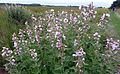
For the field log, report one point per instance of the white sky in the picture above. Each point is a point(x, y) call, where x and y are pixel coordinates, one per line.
point(104, 3)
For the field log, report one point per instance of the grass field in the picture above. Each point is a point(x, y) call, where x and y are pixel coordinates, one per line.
point(115, 20)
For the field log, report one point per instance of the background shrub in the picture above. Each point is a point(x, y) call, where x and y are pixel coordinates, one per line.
point(17, 14)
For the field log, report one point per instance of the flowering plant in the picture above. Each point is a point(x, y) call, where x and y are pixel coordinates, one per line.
point(63, 43)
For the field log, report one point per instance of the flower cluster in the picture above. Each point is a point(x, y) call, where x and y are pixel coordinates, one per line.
point(16, 42)
point(104, 19)
point(96, 37)
point(56, 24)
point(80, 58)
point(59, 40)
point(79, 53)
point(76, 42)
point(33, 53)
point(34, 31)
point(112, 44)
point(88, 12)
point(21, 44)
point(7, 54)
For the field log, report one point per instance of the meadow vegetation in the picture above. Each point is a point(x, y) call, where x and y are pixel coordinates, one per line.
point(60, 41)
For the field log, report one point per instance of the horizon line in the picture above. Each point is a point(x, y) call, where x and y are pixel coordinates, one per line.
point(47, 4)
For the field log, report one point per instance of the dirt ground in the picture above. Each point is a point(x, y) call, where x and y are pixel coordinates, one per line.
point(2, 70)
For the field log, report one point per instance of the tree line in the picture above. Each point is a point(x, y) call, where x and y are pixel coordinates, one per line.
point(116, 4)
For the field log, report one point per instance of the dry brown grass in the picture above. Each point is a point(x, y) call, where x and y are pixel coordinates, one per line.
point(1, 11)
point(41, 9)
point(118, 10)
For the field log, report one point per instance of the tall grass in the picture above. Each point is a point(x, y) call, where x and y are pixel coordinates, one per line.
point(6, 30)
point(115, 21)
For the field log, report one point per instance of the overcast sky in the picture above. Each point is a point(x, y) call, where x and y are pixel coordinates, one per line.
point(97, 3)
